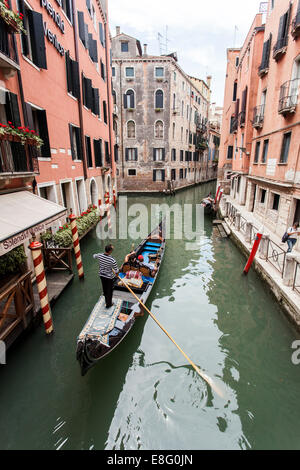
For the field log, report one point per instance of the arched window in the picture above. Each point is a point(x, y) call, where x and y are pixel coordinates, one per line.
point(131, 130)
point(159, 130)
point(159, 99)
point(129, 100)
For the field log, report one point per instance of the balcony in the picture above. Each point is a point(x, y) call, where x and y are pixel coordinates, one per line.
point(258, 116)
point(8, 55)
point(202, 128)
point(242, 118)
point(201, 144)
point(280, 48)
point(234, 125)
point(296, 26)
point(17, 159)
point(289, 97)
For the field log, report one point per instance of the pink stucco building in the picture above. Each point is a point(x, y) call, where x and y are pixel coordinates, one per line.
point(260, 138)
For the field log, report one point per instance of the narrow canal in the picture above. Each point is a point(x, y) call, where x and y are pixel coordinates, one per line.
point(145, 395)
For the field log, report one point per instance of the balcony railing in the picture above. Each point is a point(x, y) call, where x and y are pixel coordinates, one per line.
point(17, 158)
point(280, 48)
point(258, 116)
point(296, 26)
point(202, 128)
point(289, 97)
point(8, 55)
point(242, 118)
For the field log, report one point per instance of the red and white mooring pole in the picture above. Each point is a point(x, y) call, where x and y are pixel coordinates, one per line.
point(107, 202)
point(216, 198)
point(115, 199)
point(36, 252)
point(100, 208)
point(220, 195)
point(253, 253)
point(76, 245)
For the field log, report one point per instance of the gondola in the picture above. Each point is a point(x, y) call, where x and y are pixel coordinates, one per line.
point(209, 206)
point(107, 328)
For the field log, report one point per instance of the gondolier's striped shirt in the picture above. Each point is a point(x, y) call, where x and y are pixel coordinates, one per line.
point(106, 265)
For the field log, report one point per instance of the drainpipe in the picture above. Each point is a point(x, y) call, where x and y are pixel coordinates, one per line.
point(122, 143)
point(79, 99)
point(109, 99)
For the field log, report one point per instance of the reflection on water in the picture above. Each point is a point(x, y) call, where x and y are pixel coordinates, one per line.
point(145, 395)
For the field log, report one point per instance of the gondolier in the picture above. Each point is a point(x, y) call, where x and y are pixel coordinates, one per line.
point(107, 267)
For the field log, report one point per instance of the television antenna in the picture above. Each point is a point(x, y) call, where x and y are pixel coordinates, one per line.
point(163, 42)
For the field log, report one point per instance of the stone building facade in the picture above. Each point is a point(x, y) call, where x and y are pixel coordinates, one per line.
point(160, 121)
point(262, 171)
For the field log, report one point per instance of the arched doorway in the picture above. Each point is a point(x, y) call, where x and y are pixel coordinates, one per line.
point(94, 192)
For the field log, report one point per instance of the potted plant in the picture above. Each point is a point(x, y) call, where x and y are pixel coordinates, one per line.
point(14, 21)
point(20, 134)
point(13, 262)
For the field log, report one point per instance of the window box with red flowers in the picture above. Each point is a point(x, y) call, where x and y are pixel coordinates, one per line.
point(14, 21)
point(20, 134)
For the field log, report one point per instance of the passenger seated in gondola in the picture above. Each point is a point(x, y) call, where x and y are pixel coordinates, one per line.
point(152, 269)
point(131, 259)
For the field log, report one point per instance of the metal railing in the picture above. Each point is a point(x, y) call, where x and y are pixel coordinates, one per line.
point(296, 283)
point(243, 226)
point(288, 99)
point(258, 116)
point(242, 118)
point(276, 256)
point(280, 44)
point(234, 125)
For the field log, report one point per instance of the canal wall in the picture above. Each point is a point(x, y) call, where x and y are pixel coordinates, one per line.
point(176, 190)
point(285, 295)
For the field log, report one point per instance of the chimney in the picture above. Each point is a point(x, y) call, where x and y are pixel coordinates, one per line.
point(118, 30)
point(145, 49)
point(208, 79)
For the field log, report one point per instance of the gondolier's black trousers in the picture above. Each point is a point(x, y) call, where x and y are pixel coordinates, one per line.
point(108, 285)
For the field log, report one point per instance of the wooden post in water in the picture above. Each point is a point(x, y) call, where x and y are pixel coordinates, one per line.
point(76, 245)
point(36, 251)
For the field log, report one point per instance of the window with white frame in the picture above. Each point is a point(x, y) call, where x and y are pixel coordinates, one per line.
point(159, 72)
point(129, 72)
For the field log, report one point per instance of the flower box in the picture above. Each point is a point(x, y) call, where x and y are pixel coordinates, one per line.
point(14, 21)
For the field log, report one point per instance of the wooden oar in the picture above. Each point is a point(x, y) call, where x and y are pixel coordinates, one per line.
point(204, 376)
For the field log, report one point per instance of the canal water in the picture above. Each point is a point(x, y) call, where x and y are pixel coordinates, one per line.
point(145, 395)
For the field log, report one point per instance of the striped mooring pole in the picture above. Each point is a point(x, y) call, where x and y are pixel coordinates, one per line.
point(76, 245)
point(107, 202)
point(36, 251)
point(100, 208)
point(115, 199)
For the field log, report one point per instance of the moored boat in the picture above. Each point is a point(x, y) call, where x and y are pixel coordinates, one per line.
point(107, 328)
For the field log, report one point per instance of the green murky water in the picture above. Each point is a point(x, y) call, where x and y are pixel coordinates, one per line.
point(145, 395)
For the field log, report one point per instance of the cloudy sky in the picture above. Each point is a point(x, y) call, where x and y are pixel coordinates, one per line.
point(200, 31)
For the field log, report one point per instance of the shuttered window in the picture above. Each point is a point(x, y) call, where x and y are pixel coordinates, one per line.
point(83, 30)
point(67, 7)
point(88, 151)
point(76, 143)
point(101, 34)
point(158, 175)
point(33, 44)
point(131, 154)
point(107, 156)
point(159, 154)
point(92, 47)
point(98, 153)
point(285, 147)
point(173, 155)
point(105, 112)
point(102, 70)
point(282, 38)
point(230, 152)
point(181, 155)
point(266, 55)
point(257, 151)
point(72, 70)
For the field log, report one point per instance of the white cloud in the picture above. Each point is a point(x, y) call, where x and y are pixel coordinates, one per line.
point(198, 30)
